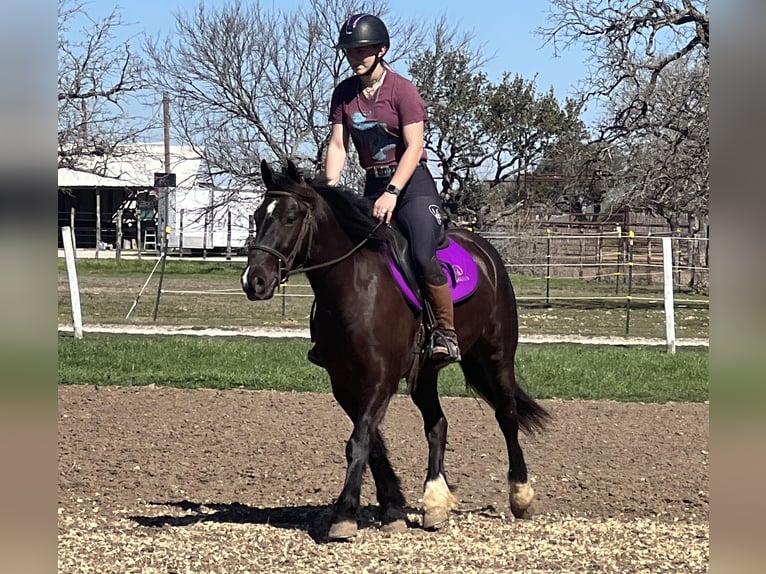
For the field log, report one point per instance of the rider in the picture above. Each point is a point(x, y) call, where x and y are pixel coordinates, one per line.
point(385, 116)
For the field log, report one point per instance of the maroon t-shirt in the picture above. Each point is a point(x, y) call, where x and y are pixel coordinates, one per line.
point(375, 124)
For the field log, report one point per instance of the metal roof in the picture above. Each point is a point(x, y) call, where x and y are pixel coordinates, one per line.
point(135, 166)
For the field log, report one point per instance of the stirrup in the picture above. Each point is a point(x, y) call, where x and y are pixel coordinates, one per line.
point(444, 346)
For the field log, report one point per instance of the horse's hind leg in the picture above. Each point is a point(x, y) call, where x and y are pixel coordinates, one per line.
point(387, 486)
point(437, 498)
point(497, 384)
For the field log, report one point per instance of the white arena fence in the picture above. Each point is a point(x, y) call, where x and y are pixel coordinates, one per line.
point(632, 267)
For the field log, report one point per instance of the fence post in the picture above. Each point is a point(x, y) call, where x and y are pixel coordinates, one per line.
point(74, 288)
point(548, 269)
point(650, 277)
point(678, 256)
point(118, 238)
point(71, 224)
point(619, 261)
point(667, 268)
point(631, 235)
point(228, 236)
point(181, 233)
point(98, 222)
point(139, 237)
point(599, 255)
point(692, 249)
point(204, 238)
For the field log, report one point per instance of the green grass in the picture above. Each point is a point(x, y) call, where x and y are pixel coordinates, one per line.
point(565, 371)
point(126, 267)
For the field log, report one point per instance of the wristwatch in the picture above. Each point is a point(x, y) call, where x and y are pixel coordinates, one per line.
point(392, 189)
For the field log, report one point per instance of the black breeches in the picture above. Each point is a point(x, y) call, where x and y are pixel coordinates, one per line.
point(418, 215)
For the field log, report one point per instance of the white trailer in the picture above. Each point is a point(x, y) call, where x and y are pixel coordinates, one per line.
point(202, 217)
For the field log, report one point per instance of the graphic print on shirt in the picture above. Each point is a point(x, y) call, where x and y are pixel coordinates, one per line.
point(373, 135)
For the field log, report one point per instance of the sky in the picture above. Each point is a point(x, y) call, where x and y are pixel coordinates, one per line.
point(504, 28)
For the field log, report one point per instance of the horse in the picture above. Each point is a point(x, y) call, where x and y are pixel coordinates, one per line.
point(370, 338)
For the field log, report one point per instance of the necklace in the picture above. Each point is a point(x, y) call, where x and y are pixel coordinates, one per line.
point(367, 92)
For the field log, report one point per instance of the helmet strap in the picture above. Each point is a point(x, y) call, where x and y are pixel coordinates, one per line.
point(374, 65)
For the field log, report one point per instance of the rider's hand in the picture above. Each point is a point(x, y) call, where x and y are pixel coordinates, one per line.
point(384, 207)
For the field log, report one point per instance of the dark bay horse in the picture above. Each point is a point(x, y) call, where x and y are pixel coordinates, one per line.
point(369, 338)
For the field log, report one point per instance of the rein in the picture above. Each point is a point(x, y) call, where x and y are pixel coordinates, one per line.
point(306, 229)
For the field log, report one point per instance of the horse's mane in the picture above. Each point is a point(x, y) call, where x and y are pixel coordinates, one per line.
point(352, 211)
point(302, 192)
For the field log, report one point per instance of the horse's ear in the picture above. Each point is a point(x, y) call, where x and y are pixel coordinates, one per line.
point(292, 172)
point(267, 175)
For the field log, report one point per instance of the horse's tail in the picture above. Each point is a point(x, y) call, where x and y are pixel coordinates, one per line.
point(532, 417)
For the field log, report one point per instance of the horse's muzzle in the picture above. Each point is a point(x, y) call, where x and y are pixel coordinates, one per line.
point(258, 286)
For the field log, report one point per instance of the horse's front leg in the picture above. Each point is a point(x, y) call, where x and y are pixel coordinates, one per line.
point(344, 525)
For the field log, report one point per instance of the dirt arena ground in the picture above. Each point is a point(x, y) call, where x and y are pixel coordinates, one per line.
point(160, 480)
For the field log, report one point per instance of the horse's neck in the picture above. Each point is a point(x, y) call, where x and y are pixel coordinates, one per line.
point(330, 241)
point(343, 260)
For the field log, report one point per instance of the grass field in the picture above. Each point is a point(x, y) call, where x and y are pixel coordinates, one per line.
point(563, 371)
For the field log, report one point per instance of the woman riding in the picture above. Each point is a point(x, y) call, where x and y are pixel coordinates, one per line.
point(384, 115)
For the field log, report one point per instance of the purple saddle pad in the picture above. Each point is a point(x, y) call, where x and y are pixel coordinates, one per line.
point(459, 267)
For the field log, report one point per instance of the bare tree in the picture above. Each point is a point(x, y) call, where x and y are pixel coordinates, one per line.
point(485, 135)
point(650, 72)
point(248, 83)
point(449, 77)
point(100, 81)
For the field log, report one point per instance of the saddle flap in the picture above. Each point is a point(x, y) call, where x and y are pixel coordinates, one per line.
point(458, 264)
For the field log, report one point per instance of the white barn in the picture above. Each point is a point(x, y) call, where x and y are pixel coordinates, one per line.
point(129, 183)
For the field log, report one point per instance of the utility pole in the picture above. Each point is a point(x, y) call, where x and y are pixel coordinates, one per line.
point(163, 203)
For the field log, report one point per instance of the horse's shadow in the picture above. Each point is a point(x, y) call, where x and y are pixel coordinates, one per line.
point(315, 520)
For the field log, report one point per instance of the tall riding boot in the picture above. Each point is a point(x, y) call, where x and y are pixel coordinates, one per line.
point(313, 355)
point(445, 347)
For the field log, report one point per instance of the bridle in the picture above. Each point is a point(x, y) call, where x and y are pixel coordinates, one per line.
point(286, 261)
point(307, 229)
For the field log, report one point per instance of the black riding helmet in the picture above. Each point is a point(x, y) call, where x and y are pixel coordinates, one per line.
point(362, 30)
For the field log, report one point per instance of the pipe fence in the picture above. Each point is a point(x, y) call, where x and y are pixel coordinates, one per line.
point(589, 271)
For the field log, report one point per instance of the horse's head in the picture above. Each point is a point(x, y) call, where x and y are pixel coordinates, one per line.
point(284, 225)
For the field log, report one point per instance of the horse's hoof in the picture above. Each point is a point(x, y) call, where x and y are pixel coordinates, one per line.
point(521, 497)
point(393, 522)
point(435, 518)
point(521, 513)
point(394, 527)
point(343, 530)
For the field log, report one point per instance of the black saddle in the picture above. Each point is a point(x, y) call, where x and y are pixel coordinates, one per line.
point(400, 252)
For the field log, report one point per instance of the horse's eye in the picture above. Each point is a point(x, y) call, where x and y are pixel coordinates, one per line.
point(290, 219)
